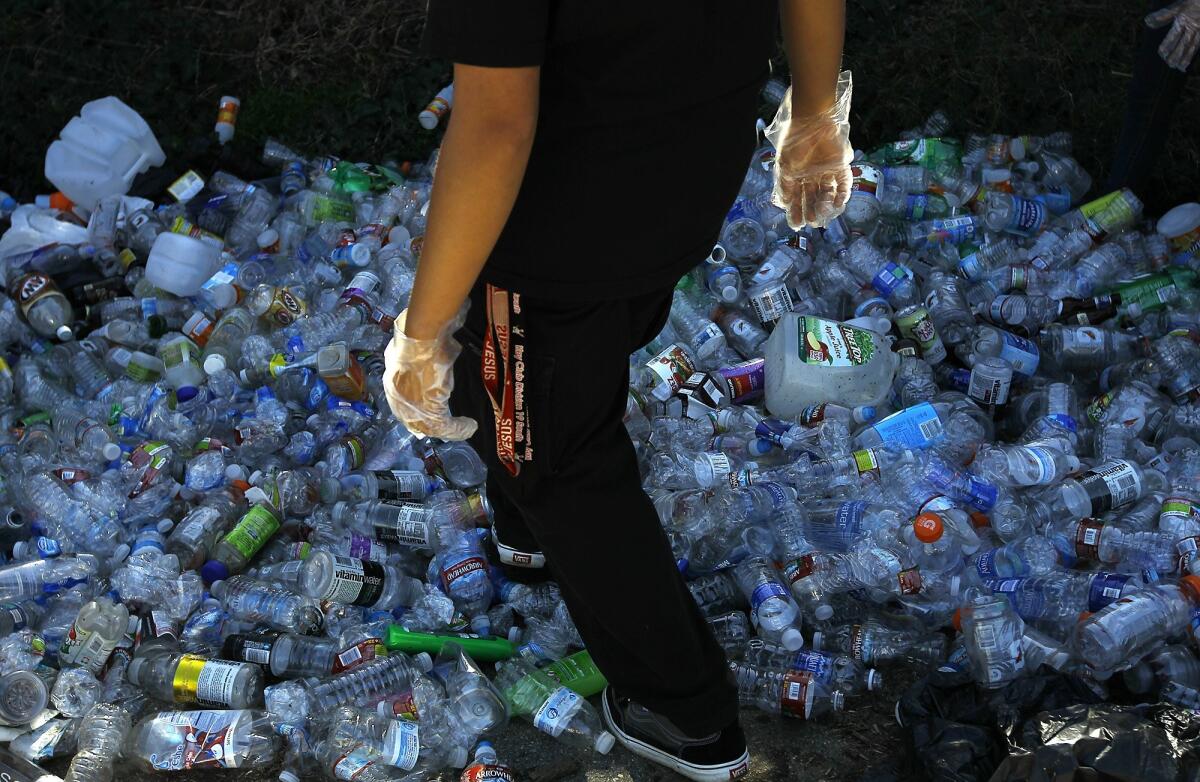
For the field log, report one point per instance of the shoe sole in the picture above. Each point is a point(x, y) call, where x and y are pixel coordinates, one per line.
point(723, 773)
point(511, 556)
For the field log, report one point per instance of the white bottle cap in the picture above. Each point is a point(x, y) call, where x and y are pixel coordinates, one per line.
point(64, 333)
point(823, 612)
point(214, 363)
point(120, 553)
point(792, 639)
point(423, 661)
point(288, 776)
point(817, 638)
point(874, 680)
point(164, 526)
point(111, 451)
point(729, 293)
point(267, 238)
point(459, 757)
point(605, 742)
point(235, 472)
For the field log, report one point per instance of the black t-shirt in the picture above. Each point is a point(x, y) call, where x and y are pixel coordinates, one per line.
point(645, 131)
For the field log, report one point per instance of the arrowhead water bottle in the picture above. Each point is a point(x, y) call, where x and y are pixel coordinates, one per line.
point(1091, 540)
point(297, 701)
point(99, 742)
point(837, 672)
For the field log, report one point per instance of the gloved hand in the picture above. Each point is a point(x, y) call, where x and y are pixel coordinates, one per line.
point(1179, 47)
point(418, 377)
point(812, 160)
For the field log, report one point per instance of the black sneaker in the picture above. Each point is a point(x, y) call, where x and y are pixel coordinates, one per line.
point(715, 758)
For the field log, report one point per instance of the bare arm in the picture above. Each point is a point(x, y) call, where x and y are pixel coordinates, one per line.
point(813, 32)
point(479, 173)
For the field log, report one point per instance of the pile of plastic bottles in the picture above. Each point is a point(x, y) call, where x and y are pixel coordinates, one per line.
point(955, 428)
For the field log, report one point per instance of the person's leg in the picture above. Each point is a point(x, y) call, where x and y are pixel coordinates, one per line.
point(578, 489)
point(514, 541)
point(1154, 91)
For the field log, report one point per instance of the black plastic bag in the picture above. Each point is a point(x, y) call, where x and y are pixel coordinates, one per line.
point(961, 732)
point(1106, 743)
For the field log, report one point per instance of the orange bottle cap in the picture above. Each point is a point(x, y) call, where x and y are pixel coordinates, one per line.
point(928, 527)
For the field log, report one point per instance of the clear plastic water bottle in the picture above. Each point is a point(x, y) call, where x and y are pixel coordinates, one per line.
point(250, 600)
point(101, 736)
point(555, 710)
point(297, 701)
point(773, 611)
point(992, 631)
point(794, 694)
point(1120, 634)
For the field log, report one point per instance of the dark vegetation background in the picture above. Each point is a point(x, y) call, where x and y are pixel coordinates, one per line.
point(343, 76)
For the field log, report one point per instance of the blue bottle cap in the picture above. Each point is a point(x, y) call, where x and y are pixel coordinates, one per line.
point(214, 570)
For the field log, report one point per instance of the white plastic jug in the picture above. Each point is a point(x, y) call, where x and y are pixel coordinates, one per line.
point(180, 264)
point(100, 151)
point(813, 360)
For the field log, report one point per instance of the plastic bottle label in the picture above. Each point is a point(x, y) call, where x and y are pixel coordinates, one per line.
point(986, 564)
point(953, 230)
point(1111, 486)
point(86, 648)
point(253, 531)
point(202, 740)
point(832, 344)
point(988, 390)
point(744, 380)
point(914, 427)
point(407, 527)
point(765, 591)
point(350, 765)
point(407, 740)
point(795, 695)
point(400, 485)
point(771, 303)
point(1083, 341)
point(461, 569)
point(1020, 352)
point(718, 464)
point(816, 664)
point(363, 547)
point(253, 648)
point(207, 682)
point(865, 461)
point(556, 711)
point(355, 582)
point(890, 277)
point(1104, 589)
point(671, 367)
point(1087, 539)
point(1028, 216)
point(1042, 460)
point(909, 581)
point(362, 652)
point(848, 518)
point(30, 289)
point(487, 772)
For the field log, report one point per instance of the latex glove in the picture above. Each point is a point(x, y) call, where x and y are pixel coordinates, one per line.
point(1179, 47)
point(418, 377)
point(812, 160)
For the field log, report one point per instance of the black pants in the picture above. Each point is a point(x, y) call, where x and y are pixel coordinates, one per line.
point(577, 496)
point(1154, 93)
